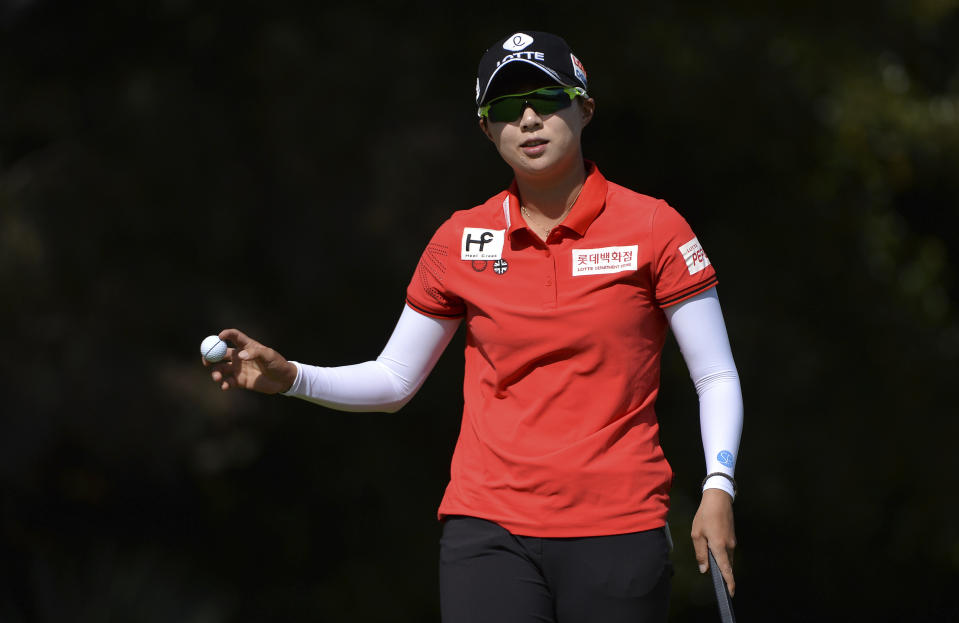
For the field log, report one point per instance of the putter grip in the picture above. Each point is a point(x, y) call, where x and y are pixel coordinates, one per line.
point(722, 595)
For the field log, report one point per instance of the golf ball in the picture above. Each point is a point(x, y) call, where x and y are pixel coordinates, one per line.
point(213, 348)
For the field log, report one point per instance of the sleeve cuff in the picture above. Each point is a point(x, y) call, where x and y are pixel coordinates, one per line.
point(295, 387)
point(720, 482)
point(689, 292)
point(442, 315)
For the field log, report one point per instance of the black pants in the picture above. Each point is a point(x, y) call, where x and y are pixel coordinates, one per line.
point(488, 575)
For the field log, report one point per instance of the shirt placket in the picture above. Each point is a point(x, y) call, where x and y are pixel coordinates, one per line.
point(552, 247)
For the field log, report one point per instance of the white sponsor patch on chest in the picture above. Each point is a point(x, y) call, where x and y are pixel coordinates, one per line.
point(482, 244)
point(605, 260)
point(694, 255)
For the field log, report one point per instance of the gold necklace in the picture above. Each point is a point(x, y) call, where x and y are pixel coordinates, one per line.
point(546, 230)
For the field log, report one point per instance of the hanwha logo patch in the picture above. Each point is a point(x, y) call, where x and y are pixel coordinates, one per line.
point(578, 69)
point(500, 266)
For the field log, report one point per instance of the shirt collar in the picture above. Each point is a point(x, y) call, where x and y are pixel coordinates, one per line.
point(591, 200)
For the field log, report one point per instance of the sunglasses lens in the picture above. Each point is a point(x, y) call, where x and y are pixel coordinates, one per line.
point(507, 109)
point(547, 106)
point(544, 102)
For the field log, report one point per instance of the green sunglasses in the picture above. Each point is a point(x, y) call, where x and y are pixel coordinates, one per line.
point(544, 101)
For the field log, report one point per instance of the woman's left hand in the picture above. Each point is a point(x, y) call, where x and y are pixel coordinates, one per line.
point(713, 529)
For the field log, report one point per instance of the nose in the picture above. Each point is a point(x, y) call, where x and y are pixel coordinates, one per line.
point(530, 119)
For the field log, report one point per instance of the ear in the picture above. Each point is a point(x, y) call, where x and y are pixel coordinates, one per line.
point(589, 109)
point(484, 127)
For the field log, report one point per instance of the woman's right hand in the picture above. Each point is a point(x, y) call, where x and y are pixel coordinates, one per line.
point(251, 365)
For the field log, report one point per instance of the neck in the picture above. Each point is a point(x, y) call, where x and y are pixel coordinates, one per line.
point(551, 196)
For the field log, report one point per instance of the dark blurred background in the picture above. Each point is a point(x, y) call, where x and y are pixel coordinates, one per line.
point(170, 168)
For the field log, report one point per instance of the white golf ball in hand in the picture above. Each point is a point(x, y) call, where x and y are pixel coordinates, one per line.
point(213, 349)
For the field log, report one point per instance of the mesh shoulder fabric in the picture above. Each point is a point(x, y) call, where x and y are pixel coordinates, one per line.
point(428, 291)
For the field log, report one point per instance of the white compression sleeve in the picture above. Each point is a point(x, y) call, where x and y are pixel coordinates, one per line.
point(700, 331)
point(390, 381)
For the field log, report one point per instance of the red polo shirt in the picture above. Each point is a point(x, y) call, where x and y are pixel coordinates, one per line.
point(559, 436)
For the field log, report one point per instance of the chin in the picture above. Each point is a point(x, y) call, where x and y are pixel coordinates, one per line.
point(547, 163)
point(541, 165)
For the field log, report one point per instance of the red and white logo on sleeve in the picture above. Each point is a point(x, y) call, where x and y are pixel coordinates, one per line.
point(694, 255)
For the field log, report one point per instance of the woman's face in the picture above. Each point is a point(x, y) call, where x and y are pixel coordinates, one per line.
point(542, 145)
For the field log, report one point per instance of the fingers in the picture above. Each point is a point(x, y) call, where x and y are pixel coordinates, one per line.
point(226, 378)
point(245, 347)
point(221, 376)
point(254, 350)
point(223, 372)
point(242, 340)
point(250, 365)
point(700, 546)
point(713, 529)
point(263, 355)
point(722, 552)
point(724, 560)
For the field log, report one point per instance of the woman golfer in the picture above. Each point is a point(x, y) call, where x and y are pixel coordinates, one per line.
point(558, 494)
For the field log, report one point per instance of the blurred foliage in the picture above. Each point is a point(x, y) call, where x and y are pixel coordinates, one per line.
point(170, 167)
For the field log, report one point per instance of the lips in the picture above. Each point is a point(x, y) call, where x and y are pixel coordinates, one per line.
point(534, 146)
